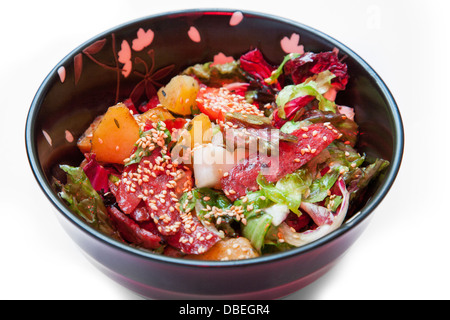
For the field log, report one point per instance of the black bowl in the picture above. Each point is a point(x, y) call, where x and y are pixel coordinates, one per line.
point(111, 66)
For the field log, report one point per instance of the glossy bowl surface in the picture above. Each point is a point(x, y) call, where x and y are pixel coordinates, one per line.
point(141, 55)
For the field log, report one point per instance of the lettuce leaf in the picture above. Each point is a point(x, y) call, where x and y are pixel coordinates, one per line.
point(310, 64)
point(288, 190)
point(84, 201)
point(359, 179)
point(292, 126)
point(345, 157)
point(215, 75)
point(276, 73)
point(257, 221)
point(256, 229)
point(206, 197)
point(202, 198)
point(319, 187)
point(253, 203)
point(327, 221)
point(315, 88)
point(359, 170)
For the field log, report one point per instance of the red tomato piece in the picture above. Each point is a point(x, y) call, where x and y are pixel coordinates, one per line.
point(176, 123)
point(216, 102)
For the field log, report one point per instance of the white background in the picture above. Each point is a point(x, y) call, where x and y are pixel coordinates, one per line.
point(403, 254)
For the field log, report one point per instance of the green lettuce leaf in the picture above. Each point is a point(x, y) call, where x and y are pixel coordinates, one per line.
point(84, 201)
point(257, 221)
point(345, 157)
point(206, 197)
point(358, 179)
point(253, 203)
point(289, 190)
point(315, 88)
point(256, 228)
point(203, 198)
point(276, 73)
point(319, 187)
point(292, 126)
point(215, 75)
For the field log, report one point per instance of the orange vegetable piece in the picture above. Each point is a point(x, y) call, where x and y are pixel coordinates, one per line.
point(114, 137)
point(84, 143)
point(228, 249)
point(155, 115)
point(200, 129)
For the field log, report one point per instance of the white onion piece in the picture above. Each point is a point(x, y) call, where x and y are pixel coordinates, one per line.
point(328, 224)
point(279, 212)
point(320, 215)
point(210, 162)
point(217, 139)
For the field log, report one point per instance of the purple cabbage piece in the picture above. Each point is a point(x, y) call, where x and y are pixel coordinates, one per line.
point(97, 175)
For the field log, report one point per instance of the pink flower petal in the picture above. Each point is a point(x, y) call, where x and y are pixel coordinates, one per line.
point(291, 45)
point(47, 137)
point(194, 34)
point(69, 136)
point(78, 66)
point(125, 52)
point(62, 74)
point(144, 39)
point(126, 70)
point(220, 58)
point(236, 18)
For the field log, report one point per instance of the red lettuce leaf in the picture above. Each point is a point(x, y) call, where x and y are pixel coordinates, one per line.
point(310, 64)
point(97, 175)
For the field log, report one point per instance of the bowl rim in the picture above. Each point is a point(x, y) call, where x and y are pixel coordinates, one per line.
point(360, 216)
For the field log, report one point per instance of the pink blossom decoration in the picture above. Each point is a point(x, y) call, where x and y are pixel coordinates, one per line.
point(144, 39)
point(62, 74)
point(220, 58)
point(125, 58)
point(69, 136)
point(236, 18)
point(194, 34)
point(47, 137)
point(291, 45)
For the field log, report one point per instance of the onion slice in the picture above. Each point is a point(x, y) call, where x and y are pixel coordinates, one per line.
point(324, 218)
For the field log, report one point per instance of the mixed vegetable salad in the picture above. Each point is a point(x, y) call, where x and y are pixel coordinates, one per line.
point(227, 161)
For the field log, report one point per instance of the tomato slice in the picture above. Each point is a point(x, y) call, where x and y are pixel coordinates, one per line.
point(216, 102)
point(177, 123)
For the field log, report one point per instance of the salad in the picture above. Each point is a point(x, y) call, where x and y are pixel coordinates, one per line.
point(227, 161)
